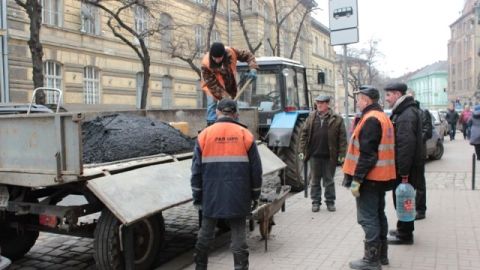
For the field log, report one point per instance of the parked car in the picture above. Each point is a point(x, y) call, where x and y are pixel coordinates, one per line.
point(440, 123)
point(435, 144)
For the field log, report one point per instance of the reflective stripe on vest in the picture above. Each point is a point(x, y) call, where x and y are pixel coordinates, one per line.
point(384, 169)
point(206, 64)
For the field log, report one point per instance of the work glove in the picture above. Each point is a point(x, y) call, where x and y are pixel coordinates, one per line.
point(341, 160)
point(252, 74)
point(355, 188)
point(301, 156)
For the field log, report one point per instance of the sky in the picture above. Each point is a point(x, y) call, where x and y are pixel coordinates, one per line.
point(411, 33)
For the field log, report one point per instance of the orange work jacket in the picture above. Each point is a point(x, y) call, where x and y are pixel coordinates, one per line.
point(206, 64)
point(384, 170)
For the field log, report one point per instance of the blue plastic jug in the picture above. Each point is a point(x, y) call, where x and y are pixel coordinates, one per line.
point(405, 202)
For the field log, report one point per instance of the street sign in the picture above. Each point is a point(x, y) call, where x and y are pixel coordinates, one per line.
point(343, 14)
point(343, 37)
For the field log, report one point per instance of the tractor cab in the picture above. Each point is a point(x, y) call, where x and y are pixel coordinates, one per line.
point(280, 87)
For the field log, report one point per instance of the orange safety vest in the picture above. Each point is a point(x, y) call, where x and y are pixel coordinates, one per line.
point(384, 170)
point(206, 64)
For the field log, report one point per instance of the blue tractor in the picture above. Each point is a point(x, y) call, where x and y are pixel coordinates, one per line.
point(281, 95)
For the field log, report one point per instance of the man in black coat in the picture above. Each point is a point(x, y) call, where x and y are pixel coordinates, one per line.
point(409, 149)
point(452, 119)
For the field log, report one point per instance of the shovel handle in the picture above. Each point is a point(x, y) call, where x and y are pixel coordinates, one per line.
point(244, 87)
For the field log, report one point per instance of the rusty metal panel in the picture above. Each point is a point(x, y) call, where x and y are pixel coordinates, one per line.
point(270, 161)
point(139, 193)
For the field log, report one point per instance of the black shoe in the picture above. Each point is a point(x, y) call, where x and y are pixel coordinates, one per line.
point(331, 207)
point(396, 240)
point(315, 207)
point(420, 215)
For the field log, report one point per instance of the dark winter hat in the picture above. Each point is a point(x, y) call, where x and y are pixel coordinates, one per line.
point(322, 98)
point(368, 91)
point(227, 105)
point(397, 86)
point(217, 49)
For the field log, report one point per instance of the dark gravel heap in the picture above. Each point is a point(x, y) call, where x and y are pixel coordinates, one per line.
point(123, 136)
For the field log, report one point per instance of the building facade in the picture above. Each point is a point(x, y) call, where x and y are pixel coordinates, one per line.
point(430, 85)
point(83, 57)
point(463, 56)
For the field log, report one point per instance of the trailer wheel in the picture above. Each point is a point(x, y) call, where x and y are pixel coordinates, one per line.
point(294, 171)
point(16, 243)
point(147, 237)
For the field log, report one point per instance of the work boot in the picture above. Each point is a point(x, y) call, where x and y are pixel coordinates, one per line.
point(331, 207)
point(384, 252)
point(201, 259)
point(240, 261)
point(400, 240)
point(370, 260)
point(315, 207)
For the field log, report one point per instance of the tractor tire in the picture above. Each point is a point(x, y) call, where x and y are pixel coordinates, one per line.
point(148, 236)
point(16, 243)
point(294, 171)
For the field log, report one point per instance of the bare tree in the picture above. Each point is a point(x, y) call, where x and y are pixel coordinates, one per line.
point(117, 22)
point(239, 13)
point(309, 7)
point(33, 8)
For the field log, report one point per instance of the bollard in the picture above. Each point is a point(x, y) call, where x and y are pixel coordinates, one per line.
point(473, 170)
point(305, 175)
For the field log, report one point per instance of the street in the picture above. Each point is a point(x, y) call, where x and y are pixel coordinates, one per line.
point(447, 239)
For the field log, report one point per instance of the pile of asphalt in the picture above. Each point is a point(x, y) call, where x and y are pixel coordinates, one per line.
point(122, 136)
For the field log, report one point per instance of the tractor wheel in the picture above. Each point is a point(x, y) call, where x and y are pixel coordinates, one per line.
point(15, 243)
point(294, 171)
point(147, 237)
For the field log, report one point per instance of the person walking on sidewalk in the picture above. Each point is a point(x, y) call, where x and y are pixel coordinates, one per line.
point(409, 150)
point(452, 119)
point(323, 142)
point(427, 133)
point(219, 67)
point(475, 133)
point(464, 121)
point(369, 172)
point(226, 178)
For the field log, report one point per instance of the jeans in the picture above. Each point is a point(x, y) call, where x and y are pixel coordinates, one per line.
point(453, 130)
point(322, 168)
point(238, 244)
point(211, 110)
point(371, 214)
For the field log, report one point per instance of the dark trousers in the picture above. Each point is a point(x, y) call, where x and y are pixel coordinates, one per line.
point(322, 169)
point(453, 130)
point(466, 131)
point(421, 192)
point(371, 214)
point(404, 229)
point(477, 150)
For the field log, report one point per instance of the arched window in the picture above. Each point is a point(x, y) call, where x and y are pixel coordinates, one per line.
point(91, 85)
point(141, 21)
point(167, 27)
point(52, 78)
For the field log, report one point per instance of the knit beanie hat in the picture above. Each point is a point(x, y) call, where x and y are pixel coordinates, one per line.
point(217, 49)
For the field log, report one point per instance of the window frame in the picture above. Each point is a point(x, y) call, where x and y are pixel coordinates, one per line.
point(51, 97)
point(90, 25)
point(52, 12)
point(91, 85)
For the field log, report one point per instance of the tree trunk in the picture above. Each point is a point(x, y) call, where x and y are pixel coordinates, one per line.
point(34, 10)
point(146, 79)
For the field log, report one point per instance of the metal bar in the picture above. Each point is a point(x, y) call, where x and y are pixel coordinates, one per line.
point(305, 179)
point(473, 170)
point(128, 248)
point(345, 84)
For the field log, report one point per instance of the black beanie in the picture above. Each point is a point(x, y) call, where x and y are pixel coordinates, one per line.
point(217, 50)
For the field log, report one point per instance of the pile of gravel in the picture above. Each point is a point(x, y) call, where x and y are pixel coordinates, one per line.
point(122, 136)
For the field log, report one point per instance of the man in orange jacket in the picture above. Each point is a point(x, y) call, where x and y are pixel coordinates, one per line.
point(369, 172)
point(219, 68)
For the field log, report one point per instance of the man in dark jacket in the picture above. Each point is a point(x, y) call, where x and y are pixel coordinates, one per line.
point(452, 119)
point(226, 178)
point(323, 142)
point(369, 172)
point(409, 149)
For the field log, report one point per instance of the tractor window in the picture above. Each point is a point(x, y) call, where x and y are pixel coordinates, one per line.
point(263, 93)
point(292, 93)
point(301, 91)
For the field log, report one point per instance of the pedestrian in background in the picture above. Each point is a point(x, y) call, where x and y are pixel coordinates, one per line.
point(219, 67)
point(323, 142)
point(475, 132)
point(409, 150)
point(427, 132)
point(369, 172)
point(464, 121)
point(452, 119)
point(226, 178)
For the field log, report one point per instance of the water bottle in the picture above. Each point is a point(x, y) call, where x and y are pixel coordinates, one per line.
point(405, 201)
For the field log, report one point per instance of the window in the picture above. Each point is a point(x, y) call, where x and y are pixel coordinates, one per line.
point(141, 21)
point(90, 19)
point(317, 48)
point(53, 79)
point(216, 36)
point(139, 88)
point(199, 1)
point(325, 49)
point(52, 12)
point(91, 85)
point(166, 26)
point(199, 37)
point(167, 95)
